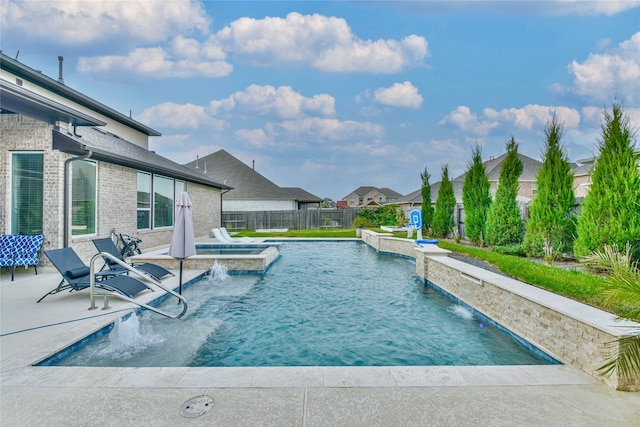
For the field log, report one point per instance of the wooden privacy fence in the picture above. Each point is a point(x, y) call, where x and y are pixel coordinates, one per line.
point(293, 220)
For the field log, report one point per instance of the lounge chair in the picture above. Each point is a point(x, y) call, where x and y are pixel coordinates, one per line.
point(77, 276)
point(106, 245)
point(226, 234)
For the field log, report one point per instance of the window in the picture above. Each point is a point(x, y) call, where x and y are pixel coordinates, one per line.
point(26, 193)
point(156, 200)
point(162, 201)
point(84, 177)
point(144, 201)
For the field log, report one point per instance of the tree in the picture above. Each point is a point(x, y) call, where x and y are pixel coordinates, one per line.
point(611, 212)
point(427, 209)
point(445, 204)
point(504, 221)
point(476, 198)
point(550, 227)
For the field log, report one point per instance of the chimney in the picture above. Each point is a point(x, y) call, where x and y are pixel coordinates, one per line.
point(60, 79)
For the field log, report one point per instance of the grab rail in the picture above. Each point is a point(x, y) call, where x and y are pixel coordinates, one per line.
point(93, 294)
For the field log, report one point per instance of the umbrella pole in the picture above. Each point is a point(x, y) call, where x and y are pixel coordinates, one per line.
point(180, 277)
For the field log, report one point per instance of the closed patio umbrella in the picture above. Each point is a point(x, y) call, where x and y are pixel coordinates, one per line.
point(183, 242)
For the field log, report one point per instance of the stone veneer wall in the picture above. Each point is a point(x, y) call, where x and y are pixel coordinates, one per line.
point(572, 332)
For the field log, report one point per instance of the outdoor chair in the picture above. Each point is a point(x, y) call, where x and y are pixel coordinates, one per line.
point(106, 245)
point(27, 251)
point(226, 234)
point(7, 245)
point(20, 250)
point(77, 276)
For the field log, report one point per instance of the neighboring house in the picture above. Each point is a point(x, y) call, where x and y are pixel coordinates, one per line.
point(74, 169)
point(582, 174)
point(305, 199)
point(251, 191)
point(526, 189)
point(371, 197)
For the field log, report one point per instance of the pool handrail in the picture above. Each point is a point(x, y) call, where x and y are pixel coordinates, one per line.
point(93, 294)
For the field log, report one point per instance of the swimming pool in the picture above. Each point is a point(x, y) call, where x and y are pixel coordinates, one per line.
point(320, 304)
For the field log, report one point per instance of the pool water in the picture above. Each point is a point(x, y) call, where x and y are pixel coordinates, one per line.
point(228, 251)
point(320, 304)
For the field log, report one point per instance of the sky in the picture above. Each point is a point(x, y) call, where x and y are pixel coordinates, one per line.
point(329, 96)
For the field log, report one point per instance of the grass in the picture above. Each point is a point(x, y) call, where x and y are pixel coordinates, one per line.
point(580, 286)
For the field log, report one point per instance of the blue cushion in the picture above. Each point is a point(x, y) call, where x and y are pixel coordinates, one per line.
point(78, 272)
point(426, 242)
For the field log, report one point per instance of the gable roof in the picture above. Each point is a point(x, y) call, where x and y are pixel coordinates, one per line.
point(530, 168)
point(302, 195)
point(108, 147)
point(246, 182)
point(391, 194)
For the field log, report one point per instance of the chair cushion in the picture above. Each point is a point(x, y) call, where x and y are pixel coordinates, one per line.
point(78, 272)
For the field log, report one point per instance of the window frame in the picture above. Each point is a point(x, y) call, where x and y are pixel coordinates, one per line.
point(76, 232)
point(12, 206)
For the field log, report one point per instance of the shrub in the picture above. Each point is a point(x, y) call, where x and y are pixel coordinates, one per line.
point(446, 203)
point(550, 227)
point(476, 198)
point(504, 221)
point(515, 250)
point(426, 208)
point(610, 214)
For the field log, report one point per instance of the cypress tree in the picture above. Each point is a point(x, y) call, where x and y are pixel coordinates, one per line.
point(476, 198)
point(550, 214)
point(427, 209)
point(445, 204)
point(611, 212)
point(504, 221)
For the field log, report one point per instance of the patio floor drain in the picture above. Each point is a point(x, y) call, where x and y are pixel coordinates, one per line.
point(196, 406)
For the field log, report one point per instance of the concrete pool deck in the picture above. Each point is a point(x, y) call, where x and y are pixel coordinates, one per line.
point(293, 396)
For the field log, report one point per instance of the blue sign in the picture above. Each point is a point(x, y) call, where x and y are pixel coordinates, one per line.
point(415, 219)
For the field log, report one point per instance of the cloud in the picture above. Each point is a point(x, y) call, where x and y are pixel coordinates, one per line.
point(602, 76)
point(154, 62)
point(315, 129)
point(535, 115)
point(399, 95)
point(282, 102)
point(84, 22)
point(316, 41)
point(255, 137)
point(463, 119)
point(180, 116)
point(538, 8)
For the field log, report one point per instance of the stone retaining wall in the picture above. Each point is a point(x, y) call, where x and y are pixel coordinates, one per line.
point(573, 333)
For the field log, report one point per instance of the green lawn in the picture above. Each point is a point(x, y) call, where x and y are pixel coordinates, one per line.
point(580, 286)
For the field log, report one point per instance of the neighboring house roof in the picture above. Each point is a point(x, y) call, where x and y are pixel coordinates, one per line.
point(302, 195)
point(110, 148)
point(391, 194)
point(246, 182)
point(364, 190)
point(530, 168)
point(27, 73)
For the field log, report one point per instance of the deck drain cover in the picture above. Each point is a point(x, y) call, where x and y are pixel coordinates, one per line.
point(196, 406)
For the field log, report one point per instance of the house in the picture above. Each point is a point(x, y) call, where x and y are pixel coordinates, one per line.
point(251, 191)
point(74, 169)
point(371, 197)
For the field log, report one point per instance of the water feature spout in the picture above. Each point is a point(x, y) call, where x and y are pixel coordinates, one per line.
point(218, 273)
